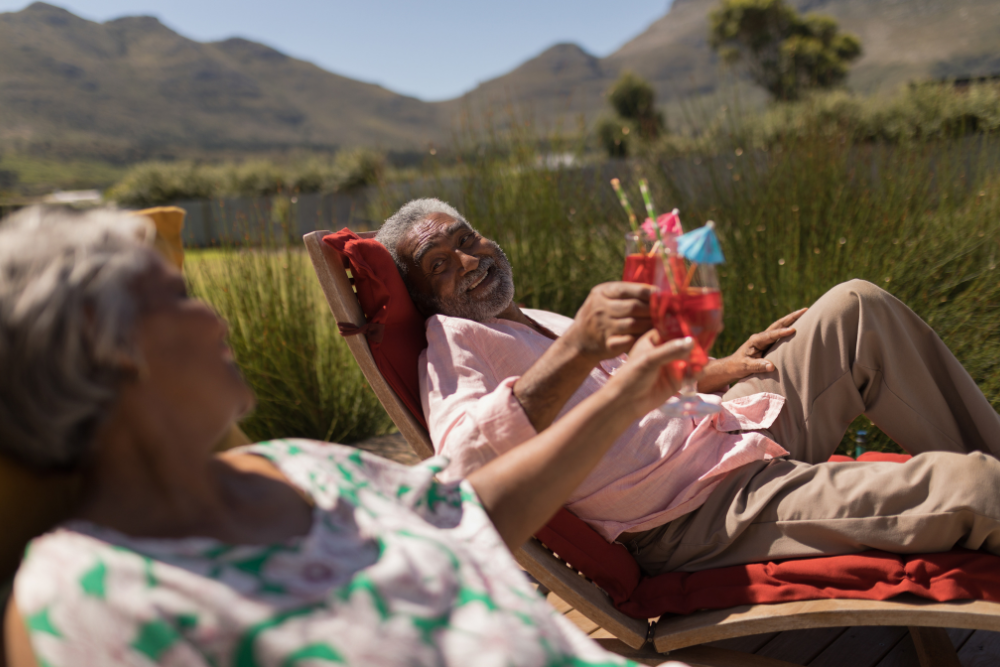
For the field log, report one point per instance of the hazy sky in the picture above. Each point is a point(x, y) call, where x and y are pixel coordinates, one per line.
point(432, 49)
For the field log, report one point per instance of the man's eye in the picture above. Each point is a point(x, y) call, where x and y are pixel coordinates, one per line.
point(465, 239)
point(436, 266)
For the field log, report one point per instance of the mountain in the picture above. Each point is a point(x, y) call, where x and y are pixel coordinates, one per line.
point(903, 40)
point(133, 86)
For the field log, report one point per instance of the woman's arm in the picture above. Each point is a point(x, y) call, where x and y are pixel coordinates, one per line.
point(524, 488)
point(15, 638)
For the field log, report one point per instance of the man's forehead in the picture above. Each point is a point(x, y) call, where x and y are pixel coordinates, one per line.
point(432, 230)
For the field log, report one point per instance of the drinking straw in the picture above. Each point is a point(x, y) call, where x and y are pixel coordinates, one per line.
point(623, 200)
point(644, 189)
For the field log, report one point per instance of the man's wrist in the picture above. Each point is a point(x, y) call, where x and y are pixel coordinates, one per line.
point(573, 354)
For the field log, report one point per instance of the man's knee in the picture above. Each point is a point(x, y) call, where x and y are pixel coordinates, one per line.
point(966, 481)
point(850, 297)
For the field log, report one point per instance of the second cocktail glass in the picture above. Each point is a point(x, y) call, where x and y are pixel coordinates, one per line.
point(688, 303)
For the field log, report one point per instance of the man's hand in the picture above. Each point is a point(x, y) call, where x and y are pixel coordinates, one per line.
point(749, 358)
point(610, 320)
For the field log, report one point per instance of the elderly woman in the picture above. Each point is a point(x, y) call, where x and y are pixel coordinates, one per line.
point(288, 552)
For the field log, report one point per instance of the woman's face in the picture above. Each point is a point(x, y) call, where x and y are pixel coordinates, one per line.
point(188, 376)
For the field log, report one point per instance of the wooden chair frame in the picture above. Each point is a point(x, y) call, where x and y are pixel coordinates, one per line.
point(674, 632)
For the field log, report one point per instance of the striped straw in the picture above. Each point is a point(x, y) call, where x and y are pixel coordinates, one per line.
point(623, 200)
point(644, 189)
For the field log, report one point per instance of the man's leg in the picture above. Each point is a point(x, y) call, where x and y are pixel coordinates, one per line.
point(858, 350)
point(790, 509)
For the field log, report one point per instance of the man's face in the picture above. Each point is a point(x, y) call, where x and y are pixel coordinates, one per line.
point(455, 271)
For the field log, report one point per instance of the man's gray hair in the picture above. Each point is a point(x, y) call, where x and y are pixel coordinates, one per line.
point(396, 227)
point(67, 316)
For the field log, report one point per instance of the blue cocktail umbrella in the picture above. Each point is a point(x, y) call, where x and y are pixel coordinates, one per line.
point(701, 245)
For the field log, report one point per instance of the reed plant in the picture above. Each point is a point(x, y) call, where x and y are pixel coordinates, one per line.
point(286, 344)
point(919, 219)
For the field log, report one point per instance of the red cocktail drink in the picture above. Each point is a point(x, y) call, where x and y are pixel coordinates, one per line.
point(642, 268)
point(695, 312)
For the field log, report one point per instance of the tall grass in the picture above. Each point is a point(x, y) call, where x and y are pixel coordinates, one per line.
point(920, 219)
point(284, 339)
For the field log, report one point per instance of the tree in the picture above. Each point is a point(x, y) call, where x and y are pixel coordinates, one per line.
point(635, 117)
point(783, 52)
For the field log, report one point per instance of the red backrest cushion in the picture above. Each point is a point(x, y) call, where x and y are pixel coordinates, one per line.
point(395, 333)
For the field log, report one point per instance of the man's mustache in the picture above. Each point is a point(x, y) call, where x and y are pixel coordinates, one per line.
point(470, 279)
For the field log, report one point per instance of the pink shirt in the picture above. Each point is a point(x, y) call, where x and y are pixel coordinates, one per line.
point(658, 470)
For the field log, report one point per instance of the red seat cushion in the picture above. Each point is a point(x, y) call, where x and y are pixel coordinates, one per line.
point(872, 575)
point(395, 329)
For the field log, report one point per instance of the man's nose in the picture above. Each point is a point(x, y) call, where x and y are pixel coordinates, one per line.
point(469, 262)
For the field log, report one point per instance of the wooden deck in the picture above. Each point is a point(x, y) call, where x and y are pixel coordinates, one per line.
point(828, 647)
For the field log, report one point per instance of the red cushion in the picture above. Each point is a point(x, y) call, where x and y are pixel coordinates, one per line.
point(872, 575)
point(395, 330)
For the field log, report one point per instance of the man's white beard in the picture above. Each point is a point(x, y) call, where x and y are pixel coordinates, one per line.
point(487, 306)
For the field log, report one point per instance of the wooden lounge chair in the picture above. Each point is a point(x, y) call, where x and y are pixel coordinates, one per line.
point(670, 633)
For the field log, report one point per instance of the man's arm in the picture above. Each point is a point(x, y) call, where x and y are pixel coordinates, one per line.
point(608, 324)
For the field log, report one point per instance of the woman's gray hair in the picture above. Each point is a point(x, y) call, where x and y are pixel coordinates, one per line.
point(67, 315)
point(396, 227)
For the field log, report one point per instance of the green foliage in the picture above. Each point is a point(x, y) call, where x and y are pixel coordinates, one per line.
point(916, 114)
point(613, 134)
point(154, 183)
point(635, 119)
point(635, 100)
point(784, 53)
point(284, 339)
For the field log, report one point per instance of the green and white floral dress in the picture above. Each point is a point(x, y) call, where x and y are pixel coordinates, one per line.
point(397, 569)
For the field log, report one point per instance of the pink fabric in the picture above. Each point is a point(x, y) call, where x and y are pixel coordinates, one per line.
point(658, 470)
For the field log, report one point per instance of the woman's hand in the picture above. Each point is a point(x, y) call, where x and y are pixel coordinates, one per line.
point(647, 380)
point(749, 358)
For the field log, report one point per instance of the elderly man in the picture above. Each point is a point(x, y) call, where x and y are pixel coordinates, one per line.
point(749, 484)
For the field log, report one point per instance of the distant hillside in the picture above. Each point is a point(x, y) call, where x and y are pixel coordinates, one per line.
point(904, 40)
point(133, 86)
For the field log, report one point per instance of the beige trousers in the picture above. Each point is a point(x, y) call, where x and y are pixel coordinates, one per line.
point(857, 350)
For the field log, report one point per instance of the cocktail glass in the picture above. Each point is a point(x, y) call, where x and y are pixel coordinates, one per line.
point(641, 264)
point(688, 303)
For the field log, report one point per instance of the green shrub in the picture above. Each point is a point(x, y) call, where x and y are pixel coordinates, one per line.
point(916, 114)
point(285, 341)
point(155, 183)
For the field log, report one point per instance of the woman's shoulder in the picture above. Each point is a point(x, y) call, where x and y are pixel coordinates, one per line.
point(328, 471)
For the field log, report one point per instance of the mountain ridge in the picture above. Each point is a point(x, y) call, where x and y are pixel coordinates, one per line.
point(132, 88)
